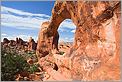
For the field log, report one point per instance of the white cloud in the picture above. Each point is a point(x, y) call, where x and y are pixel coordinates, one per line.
point(73, 31)
point(18, 21)
point(67, 24)
point(66, 39)
point(19, 12)
point(25, 20)
point(3, 34)
point(8, 37)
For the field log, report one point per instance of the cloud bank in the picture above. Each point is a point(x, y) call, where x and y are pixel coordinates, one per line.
point(24, 20)
point(13, 37)
point(19, 19)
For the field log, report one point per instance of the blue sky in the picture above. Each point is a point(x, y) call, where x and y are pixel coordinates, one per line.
point(24, 18)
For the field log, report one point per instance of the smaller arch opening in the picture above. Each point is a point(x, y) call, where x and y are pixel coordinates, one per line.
point(66, 36)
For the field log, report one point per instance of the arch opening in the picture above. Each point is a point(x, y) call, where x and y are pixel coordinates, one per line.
point(66, 32)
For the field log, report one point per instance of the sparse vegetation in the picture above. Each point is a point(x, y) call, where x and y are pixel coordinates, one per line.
point(11, 64)
point(34, 68)
point(14, 62)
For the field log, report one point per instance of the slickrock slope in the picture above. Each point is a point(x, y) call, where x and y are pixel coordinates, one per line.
point(95, 54)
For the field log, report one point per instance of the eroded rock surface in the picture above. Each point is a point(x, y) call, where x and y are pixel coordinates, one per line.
point(95, 54)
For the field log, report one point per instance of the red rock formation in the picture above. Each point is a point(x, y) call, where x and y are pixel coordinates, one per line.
point(46, 42)
point(55, 41)
point(20, 41)
point(95, 54)
point(5, 42)
point(17, 41)
point(21, 44)
point(12, 43)
point(31, 44)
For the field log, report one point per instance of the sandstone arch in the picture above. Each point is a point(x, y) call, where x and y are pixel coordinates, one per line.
point(50, 31)
point(97, 41)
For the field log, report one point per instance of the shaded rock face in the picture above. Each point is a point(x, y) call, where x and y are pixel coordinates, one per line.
point(32, 44)
point(46, 42)
point(5, 41)
point(95, 54)
point(12, 43)
point(20, 44)
point(20, 41)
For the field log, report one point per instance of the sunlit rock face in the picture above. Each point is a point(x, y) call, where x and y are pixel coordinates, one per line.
point(32, 44)
point(95, 54)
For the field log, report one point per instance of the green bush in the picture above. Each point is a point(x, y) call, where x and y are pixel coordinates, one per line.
point(33, 68)
point(61, 53)
point(14, 61)
point(11, 64)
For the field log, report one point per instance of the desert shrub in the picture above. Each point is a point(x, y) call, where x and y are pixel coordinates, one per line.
point(14, 61)
point(33, 68)
point(32, 55)
point(11, 64)
point(61, 53)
